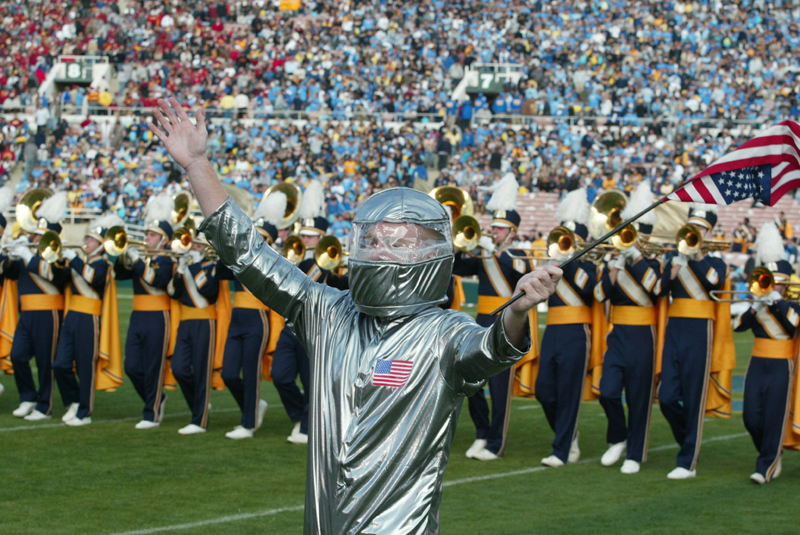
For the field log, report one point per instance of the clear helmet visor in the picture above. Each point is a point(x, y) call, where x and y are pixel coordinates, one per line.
point(401, 242)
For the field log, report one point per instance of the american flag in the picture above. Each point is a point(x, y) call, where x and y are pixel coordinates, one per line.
point(766, 167)
point(392, 372)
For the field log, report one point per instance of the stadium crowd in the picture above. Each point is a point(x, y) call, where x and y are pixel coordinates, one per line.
point(669, 78)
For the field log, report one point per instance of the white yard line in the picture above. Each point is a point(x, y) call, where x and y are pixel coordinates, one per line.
point(454, 482)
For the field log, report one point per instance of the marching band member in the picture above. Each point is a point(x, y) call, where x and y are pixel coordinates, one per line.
point(41, 295)
point(566, 343)
point(631, 283)
point(249, 330)
point(290, 358)
point(498, 273)
point(197, 289)
point(6, 336)
point(689, 339)
point(743, 237)
point(784, 226)
point(149, 329)
point(768, 381)
point(79, 343)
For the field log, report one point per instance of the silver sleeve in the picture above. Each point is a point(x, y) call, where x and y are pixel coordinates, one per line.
point(270, 277)
point(476, 353)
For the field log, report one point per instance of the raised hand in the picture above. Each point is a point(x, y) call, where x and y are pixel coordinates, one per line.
point(185, 142)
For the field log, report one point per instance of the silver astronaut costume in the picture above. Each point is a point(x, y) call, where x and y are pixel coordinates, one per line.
point(377, 453)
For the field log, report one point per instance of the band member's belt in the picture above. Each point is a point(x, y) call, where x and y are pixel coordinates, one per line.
point(489, 303)
point(621, 315)
point(150, 303)
point(87, 305)
point(773, 349)
point(31, 302)
point(194, 313)
point(567, 315)
point(247, 300)
point(692, 308)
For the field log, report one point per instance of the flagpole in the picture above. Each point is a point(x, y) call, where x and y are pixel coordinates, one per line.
point(591, 246)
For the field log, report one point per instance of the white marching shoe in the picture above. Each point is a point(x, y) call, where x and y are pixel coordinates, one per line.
point(681, 473)
point(2, 389)
point(553, 462)
point(262, 410)
point(574, 450)
point(36, 416)
point(755, 477)
point(191, 429)
point(613, 453)
point(629, 467)
point(24, 409)
point(79, 422)
point(485, 455)
point(71, 412)
point(778, 469)
point(239, 433)
point(477, 446)
point(146, 424)
point(297, 437)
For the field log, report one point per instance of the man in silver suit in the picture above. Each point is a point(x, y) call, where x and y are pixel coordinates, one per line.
point(389, 369)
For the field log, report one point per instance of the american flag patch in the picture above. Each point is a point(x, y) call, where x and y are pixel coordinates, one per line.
point(391, 372)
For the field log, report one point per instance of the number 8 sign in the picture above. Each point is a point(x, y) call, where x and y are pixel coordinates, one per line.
point(74, 70)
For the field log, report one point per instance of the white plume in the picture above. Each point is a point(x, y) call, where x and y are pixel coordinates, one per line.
point(6, 197)
point(272, 209)
point(106, 222)
point(641, 198)
point(504, 196)
point(313, 201)
point(574, 207)
point(769, 245)
point(159, 207)
point(54, 208)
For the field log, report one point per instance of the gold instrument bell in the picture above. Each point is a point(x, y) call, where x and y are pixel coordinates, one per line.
point(466, 230)
point(50, 247)
point(560, 242)
point(605, 216)
point(689, 240)
point(181, 241)
point(182, 208)
point(28, 206)
point(328, 253)
point(760, 283)
point(294, 197)
point(294, 249)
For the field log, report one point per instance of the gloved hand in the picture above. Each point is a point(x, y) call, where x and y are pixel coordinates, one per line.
point(617, 263)
point(133, 254)
point(23, 252)
point(631, 254)
point(759, 304)
point(680, 260)
point(487, 244)
point(183, 263)
point(22, 240)
point(69, 254)
point(195, 256)
point(772, 298)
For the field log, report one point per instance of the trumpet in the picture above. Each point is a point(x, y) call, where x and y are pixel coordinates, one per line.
point(328, 253)
point(50, 247)
point(760, 283)
point(294, 249)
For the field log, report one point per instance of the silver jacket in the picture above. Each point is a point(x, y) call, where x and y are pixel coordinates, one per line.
point(376, 454)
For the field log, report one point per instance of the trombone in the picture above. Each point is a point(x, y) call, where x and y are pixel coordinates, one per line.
point(50, 247)
point(760, 283)
point(605, 215)
point(466, 230)
point(294, 249)
point(328, 253)
point(294, 197)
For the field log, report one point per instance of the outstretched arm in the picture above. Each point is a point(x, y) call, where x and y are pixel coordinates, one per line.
point(186, 144)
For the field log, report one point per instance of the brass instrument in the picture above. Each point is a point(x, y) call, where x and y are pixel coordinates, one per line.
point(294, 197)
point(760, 283)
point(716, 246)
point(181, 211)
point(328, 253)
point(28, 206)
point(466, 230)
point(605, 215)
point(116, 241)
point(181, 242)
point(689, 240)
point(50, 247)
point(294, 249)
point(561, 242)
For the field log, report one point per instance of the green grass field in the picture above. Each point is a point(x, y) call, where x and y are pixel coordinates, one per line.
point(110, 478)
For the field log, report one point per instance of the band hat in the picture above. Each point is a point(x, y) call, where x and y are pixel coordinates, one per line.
point(704, 215)
point(640, 199)
point(503, 203)
point(572, 212)
point(158, 215)
point(769, 245)
point(98, 228)
point(317, 226)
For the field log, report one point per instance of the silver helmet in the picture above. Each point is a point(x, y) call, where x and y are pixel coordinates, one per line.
point(401, 253)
